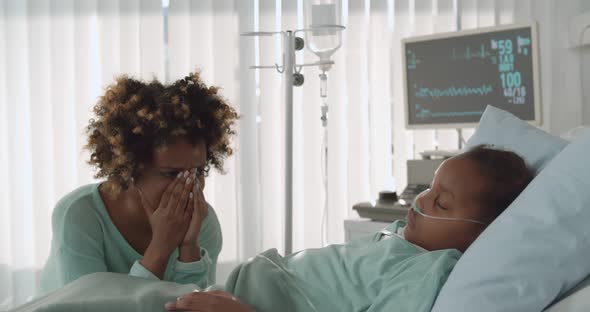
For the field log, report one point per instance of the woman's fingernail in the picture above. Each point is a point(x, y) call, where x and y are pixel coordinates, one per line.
point(179, 298)
point(179, 175)
point(169, 305)
point(190, 195)
point(186, 174)
point(188, 181)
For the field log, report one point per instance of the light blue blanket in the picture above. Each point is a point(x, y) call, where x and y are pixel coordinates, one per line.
point(110, 292)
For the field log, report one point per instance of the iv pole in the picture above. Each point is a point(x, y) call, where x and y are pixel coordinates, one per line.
point(288, 68)
point(292, 77)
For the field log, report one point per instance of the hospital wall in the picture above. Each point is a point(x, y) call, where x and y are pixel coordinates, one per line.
point(563, 107)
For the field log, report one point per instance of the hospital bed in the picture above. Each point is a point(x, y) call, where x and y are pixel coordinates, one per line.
point(576, 299)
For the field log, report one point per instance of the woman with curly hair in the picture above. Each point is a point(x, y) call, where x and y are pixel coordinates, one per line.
point(153, 144)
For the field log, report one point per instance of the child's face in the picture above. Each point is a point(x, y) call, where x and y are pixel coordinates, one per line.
point(455, 192)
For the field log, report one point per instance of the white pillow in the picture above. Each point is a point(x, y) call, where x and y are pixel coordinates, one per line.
point(536, 250)
point(503, 130)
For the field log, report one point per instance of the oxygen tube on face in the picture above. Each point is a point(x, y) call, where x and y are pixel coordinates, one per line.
point(419, 211)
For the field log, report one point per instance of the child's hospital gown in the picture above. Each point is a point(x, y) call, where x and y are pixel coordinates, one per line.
point(381, 272)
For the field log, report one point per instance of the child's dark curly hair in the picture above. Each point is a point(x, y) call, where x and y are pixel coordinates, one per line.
point(507, 173)
point(134, 117)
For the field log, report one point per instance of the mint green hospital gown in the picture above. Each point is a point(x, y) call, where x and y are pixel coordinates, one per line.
point(380, 272)
point(85, 240)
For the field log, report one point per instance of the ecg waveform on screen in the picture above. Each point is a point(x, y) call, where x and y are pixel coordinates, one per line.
point(412, 60)
point(469, 54)
point(424, 113)
point(452, 91)
point(450, 80)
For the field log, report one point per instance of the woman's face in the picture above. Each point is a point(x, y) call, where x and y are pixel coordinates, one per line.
point(167, 162)
point(455, 193)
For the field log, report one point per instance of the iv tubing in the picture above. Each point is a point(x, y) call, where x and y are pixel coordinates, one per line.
point(324, 151)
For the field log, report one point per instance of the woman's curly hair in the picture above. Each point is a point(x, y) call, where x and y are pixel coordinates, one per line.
point(134, 117)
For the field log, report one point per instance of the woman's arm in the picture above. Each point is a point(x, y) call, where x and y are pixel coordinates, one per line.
point(80, 244)
point(210, 241)
point(168, 221)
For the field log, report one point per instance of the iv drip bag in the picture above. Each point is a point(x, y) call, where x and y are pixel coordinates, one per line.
point(323, 21)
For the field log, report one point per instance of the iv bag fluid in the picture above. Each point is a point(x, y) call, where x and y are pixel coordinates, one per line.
point(321, 17)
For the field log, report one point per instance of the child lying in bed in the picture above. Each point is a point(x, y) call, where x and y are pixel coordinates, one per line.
point(401, 268)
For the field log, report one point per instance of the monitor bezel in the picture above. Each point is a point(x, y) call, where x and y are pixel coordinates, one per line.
point(536, 71)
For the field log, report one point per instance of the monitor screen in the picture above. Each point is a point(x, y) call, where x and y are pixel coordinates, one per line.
point(451, 78)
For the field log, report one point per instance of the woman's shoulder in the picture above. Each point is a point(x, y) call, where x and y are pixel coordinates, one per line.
point(77, 224)
point(80, 205)
point(82, 196)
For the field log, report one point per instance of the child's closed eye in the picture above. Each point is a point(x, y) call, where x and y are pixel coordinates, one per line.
point(439, 205)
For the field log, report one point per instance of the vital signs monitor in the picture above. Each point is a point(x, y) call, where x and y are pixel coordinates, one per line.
point(450, 78)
